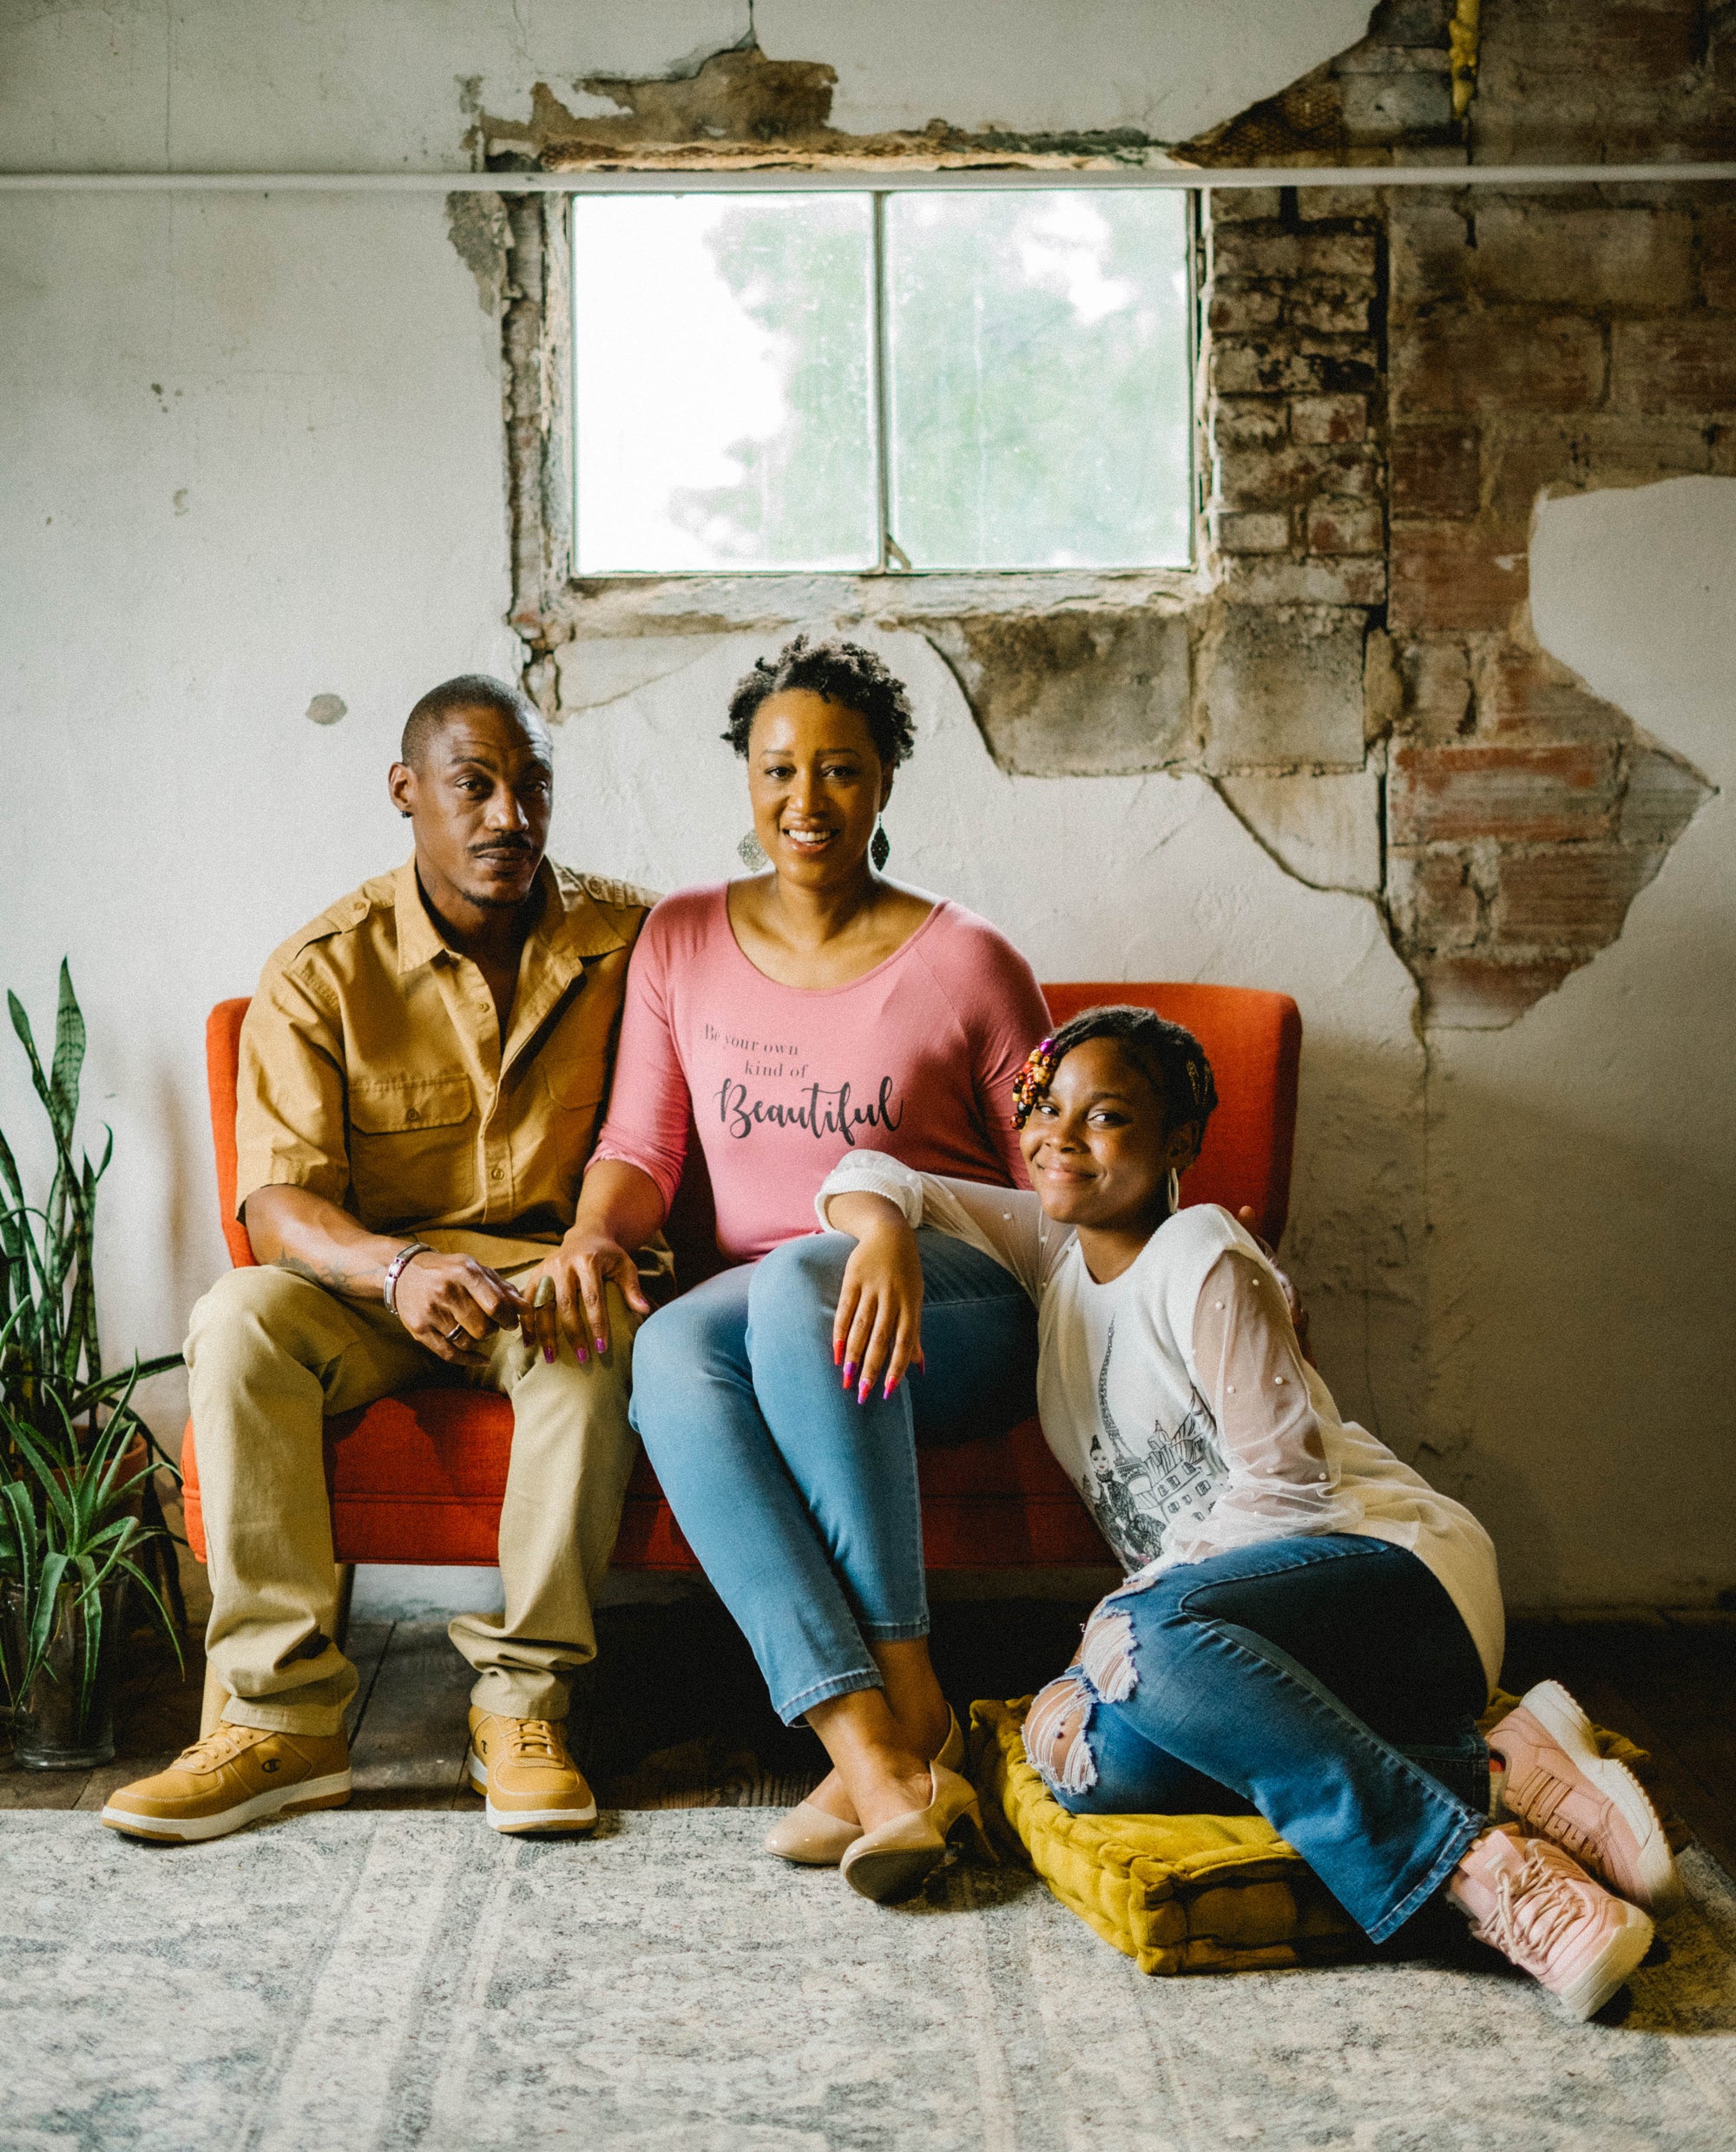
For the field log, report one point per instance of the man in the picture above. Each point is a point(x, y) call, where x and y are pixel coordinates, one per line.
point(422, 1073)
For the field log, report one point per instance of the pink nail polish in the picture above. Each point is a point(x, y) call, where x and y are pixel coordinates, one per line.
point(548, 1354)
point(849, 1374)
point(602, 1346)
point(862, 1393)
point(582, 1356)
point(887, 1392)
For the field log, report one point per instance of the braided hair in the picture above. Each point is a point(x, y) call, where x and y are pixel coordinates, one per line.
point(1170, 1060)
point(843, 673)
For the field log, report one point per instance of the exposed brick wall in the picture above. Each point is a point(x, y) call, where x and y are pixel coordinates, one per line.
point(1395, 377)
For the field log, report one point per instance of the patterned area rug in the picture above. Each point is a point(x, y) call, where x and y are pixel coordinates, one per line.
point(381, 1980)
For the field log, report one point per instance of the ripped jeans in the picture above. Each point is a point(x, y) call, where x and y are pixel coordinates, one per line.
point(1330, 1684)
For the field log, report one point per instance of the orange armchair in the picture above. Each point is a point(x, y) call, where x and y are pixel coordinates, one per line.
point(420, 1477)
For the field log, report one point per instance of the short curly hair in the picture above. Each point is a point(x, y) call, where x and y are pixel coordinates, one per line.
point(843, 673)
point(1169, 1057)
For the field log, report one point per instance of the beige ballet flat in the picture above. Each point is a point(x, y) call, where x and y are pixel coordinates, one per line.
point(814, 1838)
point(891, 1863)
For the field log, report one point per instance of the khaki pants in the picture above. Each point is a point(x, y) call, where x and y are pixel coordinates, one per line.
point(270, 1356)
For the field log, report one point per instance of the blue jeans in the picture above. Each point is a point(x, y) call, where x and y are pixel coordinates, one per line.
point(801, 1505)
point(1330, 1684)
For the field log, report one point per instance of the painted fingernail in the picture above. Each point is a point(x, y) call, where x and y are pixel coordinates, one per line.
point(862, 1393)
point(837, 1351)
point(887, 1392)
point(849, 1374)
point(548, 1353)
point(583, 1355)
point(602, 1346)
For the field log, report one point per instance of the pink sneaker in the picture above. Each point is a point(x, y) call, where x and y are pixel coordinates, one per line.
point(1538, 1907)
point(1559, 1787)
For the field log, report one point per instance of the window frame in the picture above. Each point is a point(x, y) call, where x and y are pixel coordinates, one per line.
point(888, 568)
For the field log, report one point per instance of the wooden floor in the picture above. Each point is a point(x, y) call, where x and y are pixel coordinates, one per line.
point(674, 1715)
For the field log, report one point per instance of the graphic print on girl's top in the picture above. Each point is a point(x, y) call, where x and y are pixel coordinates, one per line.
point(916, 1058)
point(1139, 1488)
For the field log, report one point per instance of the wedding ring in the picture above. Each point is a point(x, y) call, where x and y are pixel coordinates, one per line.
point(457, 1334)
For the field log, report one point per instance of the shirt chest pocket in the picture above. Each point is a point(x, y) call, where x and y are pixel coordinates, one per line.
point(412, 1150)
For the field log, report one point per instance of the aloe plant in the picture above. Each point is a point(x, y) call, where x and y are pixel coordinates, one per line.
point(66, 1423)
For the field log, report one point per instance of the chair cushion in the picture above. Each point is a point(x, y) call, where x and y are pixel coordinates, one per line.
point(1175, 1894)
point(420, 1477)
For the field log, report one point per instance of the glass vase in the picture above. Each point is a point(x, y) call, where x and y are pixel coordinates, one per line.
point(54, 1726)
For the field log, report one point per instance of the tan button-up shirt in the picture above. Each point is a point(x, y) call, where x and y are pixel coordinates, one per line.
point(373, 1073)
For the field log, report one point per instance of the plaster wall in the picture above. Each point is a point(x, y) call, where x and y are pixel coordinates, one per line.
point(254, 456)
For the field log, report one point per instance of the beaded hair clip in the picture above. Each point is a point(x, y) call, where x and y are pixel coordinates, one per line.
point(1033, 1080)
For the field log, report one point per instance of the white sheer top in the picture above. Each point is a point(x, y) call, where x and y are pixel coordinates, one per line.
point(1177, 1400)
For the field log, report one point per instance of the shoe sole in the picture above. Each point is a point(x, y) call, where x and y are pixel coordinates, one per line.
point(508, 1820)
point(1660, 1887)
point(331, 1792)
point(898, 1873)
point(1609, 1972)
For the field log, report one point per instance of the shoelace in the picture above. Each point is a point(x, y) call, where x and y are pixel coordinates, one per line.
point(217, 1748)
point(536, 1740)
point(1532, 1909)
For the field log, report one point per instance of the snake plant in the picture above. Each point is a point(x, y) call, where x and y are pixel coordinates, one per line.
point(66, 1504)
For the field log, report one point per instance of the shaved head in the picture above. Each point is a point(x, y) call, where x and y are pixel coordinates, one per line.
point(468, 691)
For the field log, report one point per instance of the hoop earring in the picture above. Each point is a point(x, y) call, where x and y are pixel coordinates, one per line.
point(1175, 1191)
point(880, 847)
point(751, 853)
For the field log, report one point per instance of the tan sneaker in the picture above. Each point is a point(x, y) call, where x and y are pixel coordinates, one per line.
point(236, 1776)
point(525, 1771)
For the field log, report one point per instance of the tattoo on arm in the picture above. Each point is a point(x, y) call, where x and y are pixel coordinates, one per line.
point(335, 1276)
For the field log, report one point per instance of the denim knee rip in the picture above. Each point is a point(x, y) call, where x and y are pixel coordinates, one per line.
point(1058, 1725)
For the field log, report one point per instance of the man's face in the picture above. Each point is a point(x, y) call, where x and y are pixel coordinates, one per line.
point(479, 802)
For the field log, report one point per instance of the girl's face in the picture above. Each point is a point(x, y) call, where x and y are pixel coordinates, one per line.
point(816, 785)
point(1096, 1145)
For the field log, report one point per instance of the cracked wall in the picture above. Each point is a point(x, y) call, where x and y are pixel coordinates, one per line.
point(1391, 381)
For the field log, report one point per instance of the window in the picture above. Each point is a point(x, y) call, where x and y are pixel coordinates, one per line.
point(846, 381)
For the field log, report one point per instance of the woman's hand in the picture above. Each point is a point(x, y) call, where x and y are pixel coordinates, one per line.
point(567, 1296)
point(877, 1332)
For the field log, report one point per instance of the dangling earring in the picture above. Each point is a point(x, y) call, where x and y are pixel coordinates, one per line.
point(751, 853)
point(880, 847)
point(1175, 1191)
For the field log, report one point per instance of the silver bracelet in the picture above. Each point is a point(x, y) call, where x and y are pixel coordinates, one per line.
point(394, 1270)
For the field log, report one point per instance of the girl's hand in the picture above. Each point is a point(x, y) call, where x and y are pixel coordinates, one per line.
point(877, 1332)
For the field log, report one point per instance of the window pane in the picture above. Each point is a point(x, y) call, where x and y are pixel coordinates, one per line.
point(724, 390)
point(1038, 379)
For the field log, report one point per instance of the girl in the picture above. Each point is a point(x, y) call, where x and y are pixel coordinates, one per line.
point(1307, 1628)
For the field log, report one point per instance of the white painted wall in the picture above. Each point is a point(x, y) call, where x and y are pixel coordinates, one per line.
point(1514, 1281)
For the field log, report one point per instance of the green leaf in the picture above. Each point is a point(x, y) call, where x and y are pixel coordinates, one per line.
point(69, 1054)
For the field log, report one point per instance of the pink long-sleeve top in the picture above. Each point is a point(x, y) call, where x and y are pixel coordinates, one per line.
point(916, 1058)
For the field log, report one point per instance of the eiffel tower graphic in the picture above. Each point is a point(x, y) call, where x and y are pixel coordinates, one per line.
point(1141, 1491)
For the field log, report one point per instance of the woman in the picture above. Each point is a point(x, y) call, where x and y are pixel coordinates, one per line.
point(1309, 1629)
point(790, 1017)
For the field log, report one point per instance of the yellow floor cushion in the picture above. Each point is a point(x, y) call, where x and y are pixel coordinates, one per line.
point(1176, 1893)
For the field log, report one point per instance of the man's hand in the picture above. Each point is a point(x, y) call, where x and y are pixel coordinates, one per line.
point(877, 1332)
point(452, 1305)
point(579, 1271)
point(1293, 1298)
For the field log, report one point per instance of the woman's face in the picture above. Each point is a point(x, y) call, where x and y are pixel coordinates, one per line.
point(816, 785)
point(1095, 1145)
